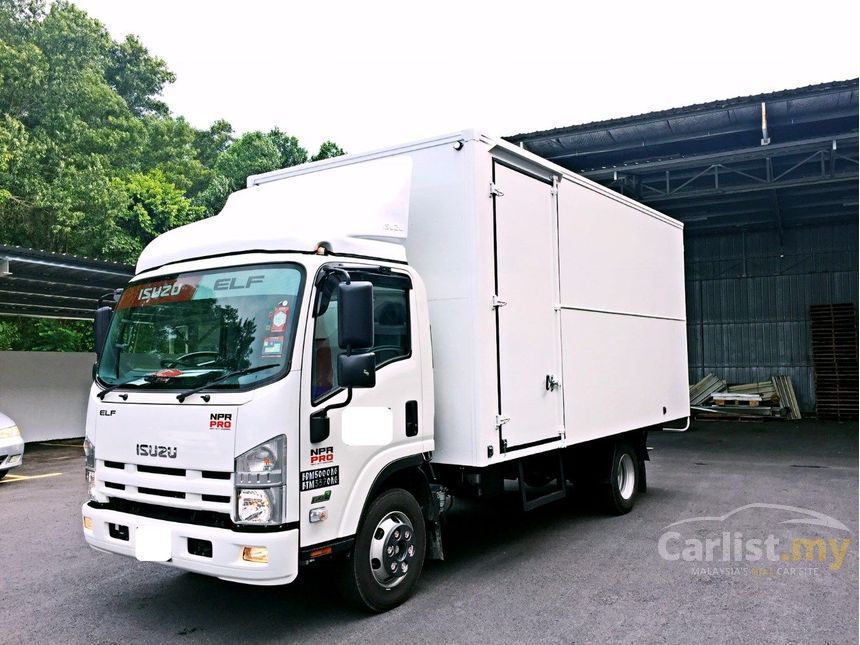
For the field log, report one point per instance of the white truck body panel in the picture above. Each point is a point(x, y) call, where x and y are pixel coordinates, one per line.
point(594, 286)
point(360, 209)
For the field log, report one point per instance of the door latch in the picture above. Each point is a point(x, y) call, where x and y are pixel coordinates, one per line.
point(552, 383)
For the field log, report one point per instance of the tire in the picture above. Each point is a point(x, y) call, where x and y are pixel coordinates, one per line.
point(622, 483)
point(394, 519)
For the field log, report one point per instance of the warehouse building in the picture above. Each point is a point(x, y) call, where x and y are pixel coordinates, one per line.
point(767, 187)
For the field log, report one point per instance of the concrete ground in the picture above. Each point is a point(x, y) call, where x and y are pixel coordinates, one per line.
point(559, 574)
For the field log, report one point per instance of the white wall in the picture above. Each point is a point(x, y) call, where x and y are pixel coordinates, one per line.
point(45, 393)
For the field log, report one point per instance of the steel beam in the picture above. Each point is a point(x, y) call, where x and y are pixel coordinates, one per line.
point(730, 156)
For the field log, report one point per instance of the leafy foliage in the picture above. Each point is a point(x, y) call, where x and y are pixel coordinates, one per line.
point(92, 162)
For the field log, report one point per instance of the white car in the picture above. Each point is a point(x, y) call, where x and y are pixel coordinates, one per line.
point(11, 445)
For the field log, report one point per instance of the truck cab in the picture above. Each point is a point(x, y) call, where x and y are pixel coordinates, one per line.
point(245, 404)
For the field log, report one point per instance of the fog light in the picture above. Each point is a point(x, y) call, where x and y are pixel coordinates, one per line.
point(88, 523)
point(318, 514)
point(255, 554)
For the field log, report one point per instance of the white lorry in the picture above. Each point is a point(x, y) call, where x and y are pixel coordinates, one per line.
point(315, 372)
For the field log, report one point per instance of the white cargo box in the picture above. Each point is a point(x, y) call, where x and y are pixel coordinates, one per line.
point(556, 305)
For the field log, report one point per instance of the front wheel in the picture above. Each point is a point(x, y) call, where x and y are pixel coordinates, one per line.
point(388, 553)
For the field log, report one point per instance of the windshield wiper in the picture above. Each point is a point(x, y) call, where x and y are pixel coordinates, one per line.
point(111, 388)
point(248, 370)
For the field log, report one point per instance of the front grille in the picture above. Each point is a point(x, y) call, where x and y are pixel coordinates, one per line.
point(161, 493)
point(159, 470)
point(212, 519)
point(147, 483)
point(169, 513)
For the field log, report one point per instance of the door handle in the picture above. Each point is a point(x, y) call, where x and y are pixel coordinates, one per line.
point(551, 383)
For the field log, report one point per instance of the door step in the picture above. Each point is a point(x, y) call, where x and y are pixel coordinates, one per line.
point(529, 503)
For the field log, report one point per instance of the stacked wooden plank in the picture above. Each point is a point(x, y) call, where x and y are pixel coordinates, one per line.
point(702, 391)
point(773, 399)
point(785, 395)
point(833, 332)
point(765, 389)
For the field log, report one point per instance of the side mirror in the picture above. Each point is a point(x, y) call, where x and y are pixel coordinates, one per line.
point(101, 326)
point(355, 315)
point(357, 370)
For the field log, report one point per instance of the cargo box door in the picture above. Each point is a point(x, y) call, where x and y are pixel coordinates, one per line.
point(528, 335)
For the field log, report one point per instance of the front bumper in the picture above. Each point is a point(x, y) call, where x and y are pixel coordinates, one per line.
point(11, 452)
point(226, 561)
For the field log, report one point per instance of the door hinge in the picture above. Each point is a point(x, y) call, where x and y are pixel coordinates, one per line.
point(498, 302)
point(501, 420)
point(494, 190)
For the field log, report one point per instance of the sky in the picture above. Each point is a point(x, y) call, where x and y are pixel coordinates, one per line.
point(370, 74)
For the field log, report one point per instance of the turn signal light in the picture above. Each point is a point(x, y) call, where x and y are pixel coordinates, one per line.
point(88, 523)
point(255, 554)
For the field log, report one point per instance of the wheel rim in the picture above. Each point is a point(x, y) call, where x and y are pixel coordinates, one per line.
point(626, 476)
point(392, 549)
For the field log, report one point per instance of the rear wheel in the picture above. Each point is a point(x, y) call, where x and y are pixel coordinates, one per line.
point(388, 554)
point(623, 482)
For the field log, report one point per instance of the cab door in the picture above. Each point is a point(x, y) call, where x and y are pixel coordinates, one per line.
point(378, 423)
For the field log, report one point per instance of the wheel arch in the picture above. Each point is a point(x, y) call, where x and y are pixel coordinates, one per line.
point(405, 473)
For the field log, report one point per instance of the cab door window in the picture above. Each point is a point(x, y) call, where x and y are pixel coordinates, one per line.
point(392, 337)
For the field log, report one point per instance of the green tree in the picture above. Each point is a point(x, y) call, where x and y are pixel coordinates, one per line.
point(252, 153)
point(327, 150)
point(138, 77)
point(91, 160)
point(154, 205)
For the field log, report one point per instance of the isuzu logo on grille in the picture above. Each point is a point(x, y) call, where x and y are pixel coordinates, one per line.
point(148, 450)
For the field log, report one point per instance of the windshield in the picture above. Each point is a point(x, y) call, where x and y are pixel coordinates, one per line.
point(188, 329)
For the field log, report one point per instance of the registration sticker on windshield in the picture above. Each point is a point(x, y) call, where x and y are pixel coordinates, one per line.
point(279, 318)
point(273, 347)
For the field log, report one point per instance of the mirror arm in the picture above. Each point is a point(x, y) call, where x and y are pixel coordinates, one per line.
point(320, 426)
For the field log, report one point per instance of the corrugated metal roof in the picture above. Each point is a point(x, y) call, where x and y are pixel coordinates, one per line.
point(712, 165)
point(56, 285)
point(689, 117)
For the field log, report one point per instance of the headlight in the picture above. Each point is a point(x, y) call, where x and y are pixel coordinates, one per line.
point(259, 482)
point(8, 433)
point(91, 485)
point(89, 454)
point(90, 468)
point(259, 505)
point(262, 465)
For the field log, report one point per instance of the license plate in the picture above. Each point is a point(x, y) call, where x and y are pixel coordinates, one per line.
point(152, 544)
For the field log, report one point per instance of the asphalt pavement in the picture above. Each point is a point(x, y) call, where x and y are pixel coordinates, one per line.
point(680, 568)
